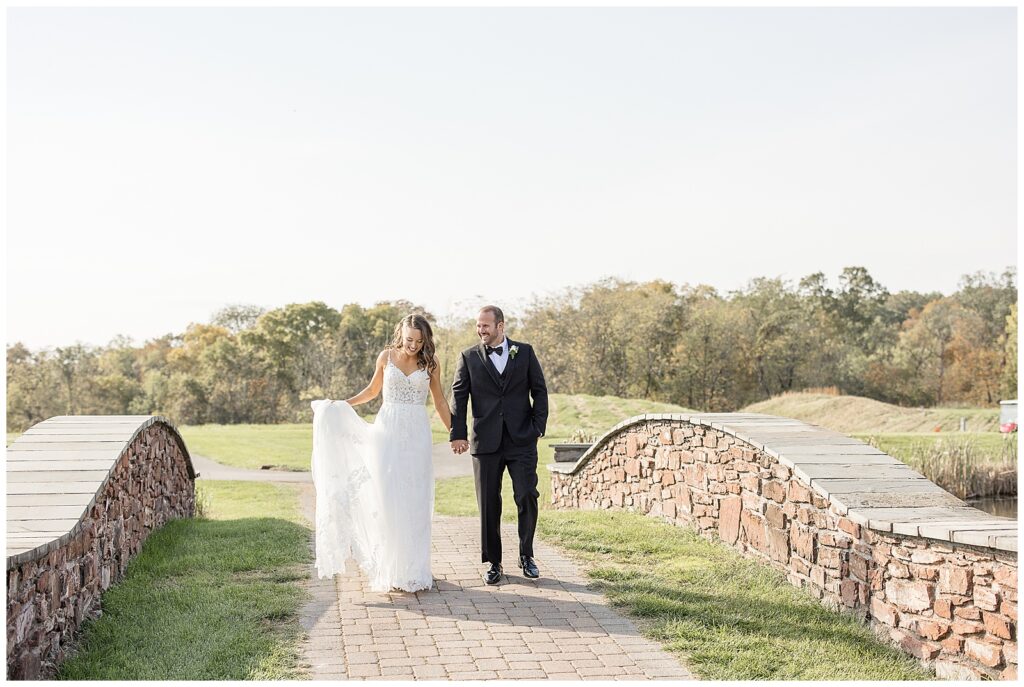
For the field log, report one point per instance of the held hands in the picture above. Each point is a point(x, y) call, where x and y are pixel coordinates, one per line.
point(460, 446)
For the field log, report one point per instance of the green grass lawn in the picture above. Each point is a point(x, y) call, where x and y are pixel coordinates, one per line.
point(212, 598)
point(288, 446)
point(598, 414)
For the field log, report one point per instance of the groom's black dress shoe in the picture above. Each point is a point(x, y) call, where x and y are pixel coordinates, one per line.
point(493, 576)
point(529, 567)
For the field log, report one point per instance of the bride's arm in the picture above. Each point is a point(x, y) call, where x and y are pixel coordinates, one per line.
point(376, 383)
point(440, 402)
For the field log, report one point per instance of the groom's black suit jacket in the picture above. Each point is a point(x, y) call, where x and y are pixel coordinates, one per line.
point(499, 399)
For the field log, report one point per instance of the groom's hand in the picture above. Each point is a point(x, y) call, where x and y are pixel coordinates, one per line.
point(460, 446)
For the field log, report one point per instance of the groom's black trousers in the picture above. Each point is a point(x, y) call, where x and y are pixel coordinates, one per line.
point(488, 469)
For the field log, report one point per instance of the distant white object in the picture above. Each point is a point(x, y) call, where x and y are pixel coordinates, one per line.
point(1008, 416)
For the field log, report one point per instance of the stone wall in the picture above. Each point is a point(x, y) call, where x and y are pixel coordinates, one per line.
point(49, 597)
point(954, 606)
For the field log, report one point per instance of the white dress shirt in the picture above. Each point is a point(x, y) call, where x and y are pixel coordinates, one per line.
point(500, 360)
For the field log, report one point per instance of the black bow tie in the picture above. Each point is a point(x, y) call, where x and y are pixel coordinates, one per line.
point(490, 350)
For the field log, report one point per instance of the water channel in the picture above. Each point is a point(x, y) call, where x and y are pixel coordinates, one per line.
point(997, 505)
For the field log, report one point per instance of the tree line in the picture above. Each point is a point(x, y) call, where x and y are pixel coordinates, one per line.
point(690, 345)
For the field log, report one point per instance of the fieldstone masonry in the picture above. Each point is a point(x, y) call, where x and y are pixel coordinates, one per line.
point(856, 528)
point(83, 494)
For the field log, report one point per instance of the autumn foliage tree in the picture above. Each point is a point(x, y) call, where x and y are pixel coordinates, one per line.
point(686, 344)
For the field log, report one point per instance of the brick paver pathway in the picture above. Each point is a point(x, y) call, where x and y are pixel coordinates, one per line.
point(552, 628)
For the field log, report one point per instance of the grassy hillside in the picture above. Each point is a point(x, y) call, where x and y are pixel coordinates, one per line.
point(857, 415)
point(598, 414)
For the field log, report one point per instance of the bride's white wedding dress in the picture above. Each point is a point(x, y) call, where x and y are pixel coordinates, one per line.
point(375, 485)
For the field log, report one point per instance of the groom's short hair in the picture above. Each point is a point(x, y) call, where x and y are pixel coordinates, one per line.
point(496, 311)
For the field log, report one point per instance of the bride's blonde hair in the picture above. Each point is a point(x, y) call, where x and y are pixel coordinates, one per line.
point(425, 358)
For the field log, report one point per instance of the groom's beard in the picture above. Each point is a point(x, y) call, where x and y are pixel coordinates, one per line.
point(493, 340)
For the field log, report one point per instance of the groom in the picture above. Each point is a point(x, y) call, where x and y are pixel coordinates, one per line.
point(501, 376)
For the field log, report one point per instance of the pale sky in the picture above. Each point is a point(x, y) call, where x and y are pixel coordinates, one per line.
point(163, 163)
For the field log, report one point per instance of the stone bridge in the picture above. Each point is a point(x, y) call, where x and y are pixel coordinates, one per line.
point(854, 526)
point(83, 493)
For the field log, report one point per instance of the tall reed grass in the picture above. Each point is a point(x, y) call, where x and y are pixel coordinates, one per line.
point(961, 464)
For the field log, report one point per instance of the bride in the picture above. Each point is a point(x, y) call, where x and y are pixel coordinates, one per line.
point(375, 482)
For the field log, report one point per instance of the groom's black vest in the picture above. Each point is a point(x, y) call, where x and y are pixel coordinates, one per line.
point(499, 400)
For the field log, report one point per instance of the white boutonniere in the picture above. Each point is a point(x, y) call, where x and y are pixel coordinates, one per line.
point(512, 351)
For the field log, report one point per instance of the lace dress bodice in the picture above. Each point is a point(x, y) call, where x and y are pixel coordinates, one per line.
point(405, 389)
